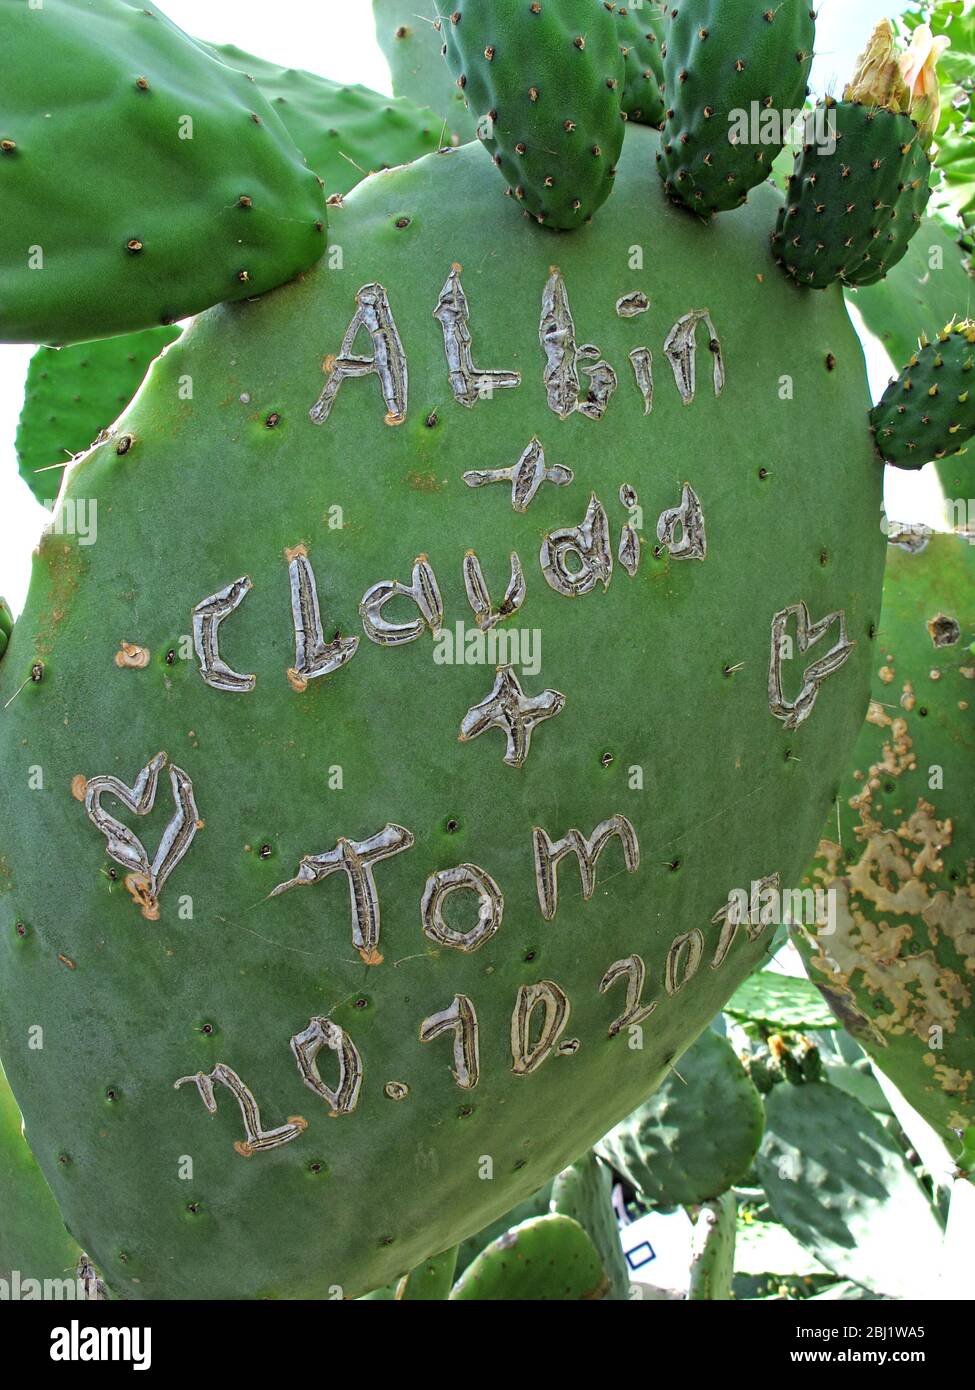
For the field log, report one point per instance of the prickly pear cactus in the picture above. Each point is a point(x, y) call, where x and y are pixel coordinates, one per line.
point(862, 180)
point(733, 69)
point(344, 132)
point(697, 1134)
point(641, 34)
point(209, 200)
point(546, 1259)
point(412, 45)
point(898, 968)
point(399, 803)
point(838, 224)
point(928, 412)
point(713, 1250)
point(6, 625)
point(585, 1192)
point(840, 1184)
point(72, 394)
point(34, 1244)
point(535, 1205)
point(543, 84)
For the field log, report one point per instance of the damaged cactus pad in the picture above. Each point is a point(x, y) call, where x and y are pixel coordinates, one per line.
point(446, 658)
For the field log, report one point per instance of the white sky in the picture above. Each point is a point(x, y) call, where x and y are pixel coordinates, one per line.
point(336, 38)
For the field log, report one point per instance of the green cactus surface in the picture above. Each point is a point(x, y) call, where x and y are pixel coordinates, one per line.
point(932, 283)
point(779, 1001)
point(713, 1250)
point(536, 1205)
point(344, 132)
point(544, 85)
point(585, 1192)
point(838, 1182)
point(34, 1244)
point(546, 1259)
point(899, 969)
point(733, 68)
point(698, 1133)
point(639, 761)
point(851, 213)
point(928, 411)
point(641, 33)
point(412, 47)
point(6, 625)
point(430, 1281)
point(140, 179)
point(72, 394)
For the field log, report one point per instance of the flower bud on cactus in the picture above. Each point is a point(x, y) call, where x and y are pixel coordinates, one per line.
point(862, 181)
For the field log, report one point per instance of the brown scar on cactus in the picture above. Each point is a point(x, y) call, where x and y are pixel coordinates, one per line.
point(138, 888)
point(943, 630)
point(890, 878)
point(131, 656)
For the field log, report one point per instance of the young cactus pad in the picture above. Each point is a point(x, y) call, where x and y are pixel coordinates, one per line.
point(928, 412)
point(140, 179)
point(735, 79)
point(72, 394)
point(841, 1185)
point(411, 44)
point(344, 132)
point(641, 32)
point(697, 1134)
point(548, 1258)
point(34, 1244)
point(899, 969)
point(544, 85)
point(542, 854)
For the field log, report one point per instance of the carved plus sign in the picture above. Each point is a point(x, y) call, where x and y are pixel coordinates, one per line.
point(525, 477)
point(508, 708)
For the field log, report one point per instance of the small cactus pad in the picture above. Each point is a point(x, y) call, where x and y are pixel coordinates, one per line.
point(250, 697)
point(735, 76)
point(899, 968)
point(585, 1192)
point(344, 132)
point(696, 1135)
point(713, 1249)
point(928, 412)
point(140, 179)
point(536, 1205)
point(543, 82)
point(72, 394)
point(412, 48)
point(430, 1281)
point(6, 625)
point(545, 1259)
point(34, 1244)
point(840, 1184)
point(852, 210)
point(641, 31)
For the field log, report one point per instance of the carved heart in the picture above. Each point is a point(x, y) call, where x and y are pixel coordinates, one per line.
point(124, 846)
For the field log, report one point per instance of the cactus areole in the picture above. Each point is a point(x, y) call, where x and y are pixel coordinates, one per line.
point(475, 625)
